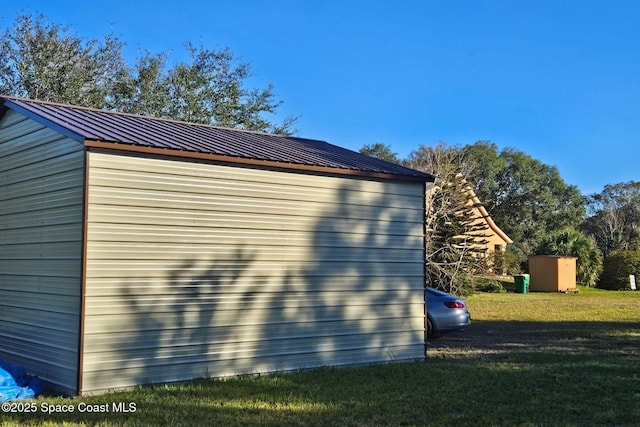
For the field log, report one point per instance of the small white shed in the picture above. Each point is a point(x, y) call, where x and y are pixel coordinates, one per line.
point(139, 250)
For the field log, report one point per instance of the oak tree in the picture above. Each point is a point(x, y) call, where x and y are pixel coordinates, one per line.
point(46, 61)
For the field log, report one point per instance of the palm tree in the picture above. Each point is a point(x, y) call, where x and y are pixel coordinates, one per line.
point(571, 242)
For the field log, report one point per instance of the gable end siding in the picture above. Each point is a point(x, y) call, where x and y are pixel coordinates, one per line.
point(41, 222)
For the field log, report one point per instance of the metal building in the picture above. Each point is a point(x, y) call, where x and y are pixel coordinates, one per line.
point(138, 250)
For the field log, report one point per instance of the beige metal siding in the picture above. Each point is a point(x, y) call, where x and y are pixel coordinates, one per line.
point(198, 269)
point(41, 208)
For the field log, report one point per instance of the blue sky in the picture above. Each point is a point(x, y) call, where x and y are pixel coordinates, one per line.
point(559, 80)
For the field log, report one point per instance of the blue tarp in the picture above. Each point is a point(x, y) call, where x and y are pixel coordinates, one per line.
point(16, 384)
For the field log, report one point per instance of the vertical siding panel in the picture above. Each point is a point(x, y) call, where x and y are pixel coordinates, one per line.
point(41, 206)
point(198, 269)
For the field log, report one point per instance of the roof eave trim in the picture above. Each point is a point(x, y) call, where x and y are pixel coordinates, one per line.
point(252, 162)
point(492, 224)
point(8, 103)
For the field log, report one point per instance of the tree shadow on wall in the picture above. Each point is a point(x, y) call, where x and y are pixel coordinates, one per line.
point(363, 286)
point(187, 323)
point(348, 290)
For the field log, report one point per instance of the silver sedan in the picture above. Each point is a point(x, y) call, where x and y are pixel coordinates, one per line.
point(445, 313)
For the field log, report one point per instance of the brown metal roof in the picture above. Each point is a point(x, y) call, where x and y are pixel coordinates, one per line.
point(108, 129)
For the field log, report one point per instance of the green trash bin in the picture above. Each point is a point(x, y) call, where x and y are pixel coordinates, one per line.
point(521, 282)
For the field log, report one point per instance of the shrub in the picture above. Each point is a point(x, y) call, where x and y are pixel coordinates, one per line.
point(509, 261)
point(489, 285)
point(617, 268)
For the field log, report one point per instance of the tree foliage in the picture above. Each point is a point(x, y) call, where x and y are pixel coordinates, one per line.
point(508, 261)
point(380, 151)
point(527, 198)
point(483, 165)
point(614, 217)
point(45, 61)
point(617, 268)
point(454, 238)
point(574, 243)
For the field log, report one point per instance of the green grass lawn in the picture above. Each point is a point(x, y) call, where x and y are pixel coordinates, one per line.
point(527, 359)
